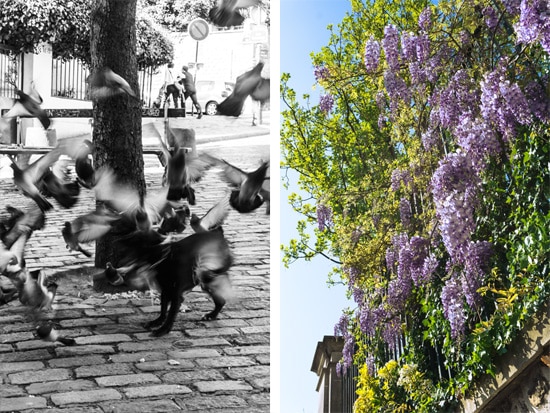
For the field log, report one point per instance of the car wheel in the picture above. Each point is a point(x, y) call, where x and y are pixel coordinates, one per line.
point(211, 108)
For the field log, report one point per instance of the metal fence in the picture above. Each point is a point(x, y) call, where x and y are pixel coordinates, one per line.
point(69, 81)
point(349, 388)
point(11, 72)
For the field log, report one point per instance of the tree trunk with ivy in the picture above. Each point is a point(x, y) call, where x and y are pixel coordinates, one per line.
point(117, 120)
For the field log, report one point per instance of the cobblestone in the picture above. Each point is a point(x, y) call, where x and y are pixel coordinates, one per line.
point(218, 366)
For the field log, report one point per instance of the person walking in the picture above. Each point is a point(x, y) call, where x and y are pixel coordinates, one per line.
point(172, 87)
point(190, 89)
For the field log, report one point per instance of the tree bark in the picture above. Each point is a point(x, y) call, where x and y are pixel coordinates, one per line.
point(117, 119)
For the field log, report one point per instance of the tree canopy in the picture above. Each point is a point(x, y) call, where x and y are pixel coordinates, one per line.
point(424, 165)
point(66, 25)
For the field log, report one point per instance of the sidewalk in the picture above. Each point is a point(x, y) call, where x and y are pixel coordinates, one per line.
point(115, 366)
point(215, 128)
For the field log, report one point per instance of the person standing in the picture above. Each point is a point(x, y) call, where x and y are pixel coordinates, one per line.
point(190, 89)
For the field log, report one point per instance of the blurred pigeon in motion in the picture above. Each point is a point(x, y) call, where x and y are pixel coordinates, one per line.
point(26, 179)
point(174, 220)
point(35, 292)
point(124, 199)
point(48, 333)
point(7, 258)
point(226, 12)
point(72, 240)
point(213, 219)
point(261, 92)
point(87, 228)
point(105, 83)
point(8, 223)
point(31, 220)
point(63, 191)
point(246, 197)
point(81, 151)
point(246, 84)
point(28, 105)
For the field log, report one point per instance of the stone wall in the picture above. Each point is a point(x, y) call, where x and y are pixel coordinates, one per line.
point(522, 380)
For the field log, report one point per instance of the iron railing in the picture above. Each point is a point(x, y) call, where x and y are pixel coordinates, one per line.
point(11, 71)
point(69, 81)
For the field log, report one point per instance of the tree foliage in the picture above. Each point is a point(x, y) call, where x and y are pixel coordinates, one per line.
point(175, 15)
point(424, 166)
point(66, 25)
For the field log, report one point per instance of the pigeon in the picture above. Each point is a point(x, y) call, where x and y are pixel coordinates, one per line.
point(213, 219)
point(66, 193)
point(262, 91)
point(247, 197)
point(174, 220)
point(7, 258)
point(113, 275)
point(80, 151)
point(35, 293)
point(9, 223)
point(72, 241)
point(226, 12)
point(26, 179)
point(28, 105)
point(246, 84)
point(48, 333)
point(105, 83)
point(145, 211)
point(88, 227)
point(33, 219)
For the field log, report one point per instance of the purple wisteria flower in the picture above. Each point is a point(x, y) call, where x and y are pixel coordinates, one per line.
point(512, 6)
point(429, 139)
point(321, 73)
point(503, 103)
point(326, 103)
point(324, 217)
point(341, 327)
point(534, 23)
point(372, 55)
point(396, 88)
point(453, 307)
point(400, 177)
point(408, 46)
point(405, 212)
point(477, 139)
point(457, 99)
point(538, 101)
point(454, 187)
point(491, 18)
point(476, 259)
point(390, 43)
point(428, 269)
point(425, 19)
point(422, 44)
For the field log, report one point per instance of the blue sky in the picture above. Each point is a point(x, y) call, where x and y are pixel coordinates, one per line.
point(309, 308)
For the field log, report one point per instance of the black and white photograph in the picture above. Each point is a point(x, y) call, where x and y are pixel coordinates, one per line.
point(135, 206)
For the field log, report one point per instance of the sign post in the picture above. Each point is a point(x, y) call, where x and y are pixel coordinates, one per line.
point(198, 30)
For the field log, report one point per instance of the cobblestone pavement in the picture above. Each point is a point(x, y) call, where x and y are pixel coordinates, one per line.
point(115, 366)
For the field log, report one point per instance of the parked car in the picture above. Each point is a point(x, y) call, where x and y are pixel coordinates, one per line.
point(210, 93)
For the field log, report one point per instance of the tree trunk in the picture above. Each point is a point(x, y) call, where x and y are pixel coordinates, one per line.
point(117, 119)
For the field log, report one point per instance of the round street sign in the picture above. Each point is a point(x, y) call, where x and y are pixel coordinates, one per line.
point(198, 29)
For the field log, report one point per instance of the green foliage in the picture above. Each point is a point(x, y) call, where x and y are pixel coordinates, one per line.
point(175, 15)
point(66, 25)
point(345, 159)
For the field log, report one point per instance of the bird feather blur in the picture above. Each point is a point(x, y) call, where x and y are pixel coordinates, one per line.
point(229, 13)
point(104, 84)
point(250, 83)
